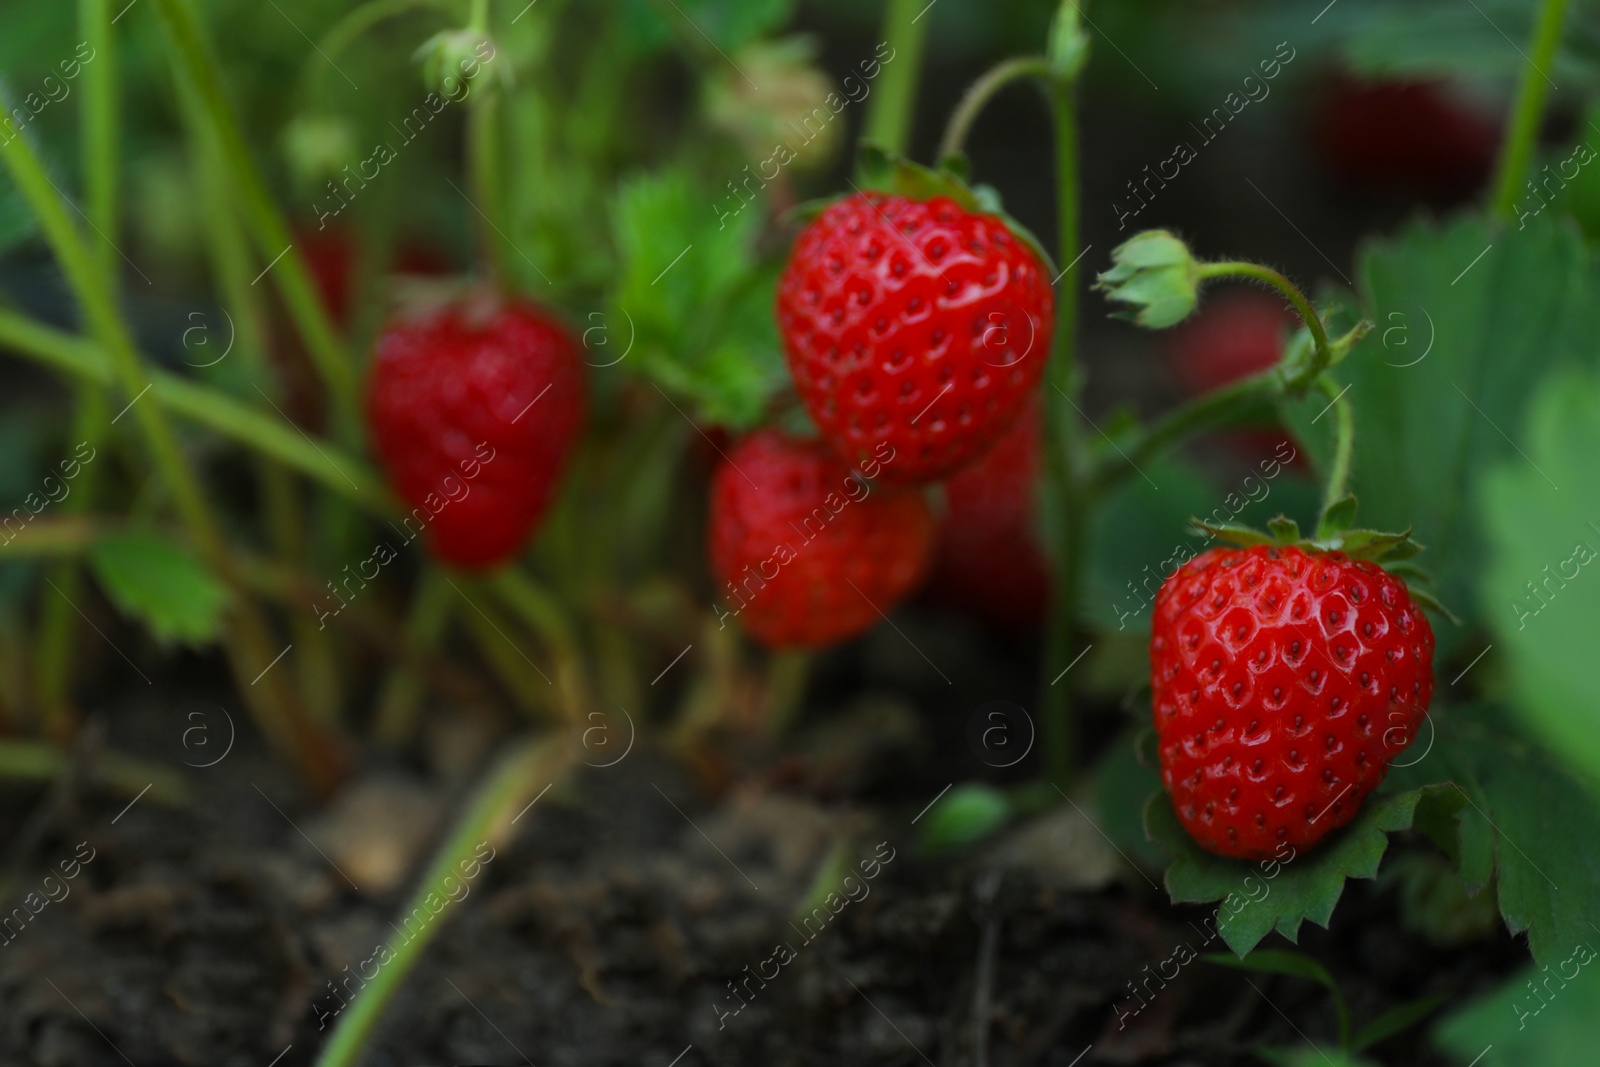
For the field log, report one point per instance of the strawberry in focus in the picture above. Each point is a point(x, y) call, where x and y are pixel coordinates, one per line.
point(915, 324)
point(804, 551)
point(473, 410)
point(989, 561)
point(1283, 682)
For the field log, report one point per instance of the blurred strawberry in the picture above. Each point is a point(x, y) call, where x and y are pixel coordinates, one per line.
point(805, 550)
point(1235, 333)
point(330, 255)
point(988, 561)
point(1416, 136)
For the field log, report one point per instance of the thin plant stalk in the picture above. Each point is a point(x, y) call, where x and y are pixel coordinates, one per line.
point(316, 667)
point(400, 702)
point(1344, 440)
point(980, 93)
point(890, 114)
point(250, 645)
point(1527, 113)
point(1065, 489)
point(266, 225)
point(322, 461)
point(91, 420)
point(516, 782)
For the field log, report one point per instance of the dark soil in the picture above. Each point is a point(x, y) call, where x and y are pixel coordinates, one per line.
point(612, 931)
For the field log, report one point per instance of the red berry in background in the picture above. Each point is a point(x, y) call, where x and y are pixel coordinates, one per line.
point(1234, 334)
point(915, 324)
point(473, 410)
point(1416, 136)
point(989, 562)
point(1283, 682)
point(330, 256)
point(803, 550)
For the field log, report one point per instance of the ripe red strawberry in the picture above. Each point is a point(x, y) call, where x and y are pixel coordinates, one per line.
point(473, 409)
point(918, 324)
point(804, 551)
point(989, 561)
point(1283, 682)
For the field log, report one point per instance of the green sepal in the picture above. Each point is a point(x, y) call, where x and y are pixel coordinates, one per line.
point(1156, 276)
point(1243, 536)
point(883, 171)
point(1284, 530)
point(1428, 600)
point(1337, 517)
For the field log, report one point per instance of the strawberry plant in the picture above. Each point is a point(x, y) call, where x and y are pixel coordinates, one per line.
point(652, 454)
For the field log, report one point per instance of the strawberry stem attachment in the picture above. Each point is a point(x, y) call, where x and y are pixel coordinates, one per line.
point(1337, 488)
point(978, 95)
point(1522, 125)
point(889, 115)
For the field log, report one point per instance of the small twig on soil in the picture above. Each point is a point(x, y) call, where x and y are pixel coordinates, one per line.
point(987, 887)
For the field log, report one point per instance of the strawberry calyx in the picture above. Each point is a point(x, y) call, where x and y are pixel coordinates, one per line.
point(886, 172)
point(1336, 533)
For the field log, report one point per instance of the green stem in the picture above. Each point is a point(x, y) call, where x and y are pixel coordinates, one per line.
point(400, 703)
point(1522, 125)
point(316, 666)
point(483, 163)
point(1065, 489)
point(980, 93)
point(272, 236)
point(521, 775)
point(91, 288)
point(1220, 407)
point(788, 671)
point(890, 113)
point(250, 644)
point(58, 620)
point(535, 606)
point(322, 461)
point(38, 762)
point(1302, 306)
point(1344, 440)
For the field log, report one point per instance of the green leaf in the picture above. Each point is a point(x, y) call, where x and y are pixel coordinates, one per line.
point(1541, 596)
point(1469, 319)
point(1544, 1016)
point(162, 585)
point(1442, 39)
point(1140, 536)
point(1546, 826)
point(1123, 785)
point(1279, 894)
point(699, 302)
point(1396, 1021)
point(969, 813)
